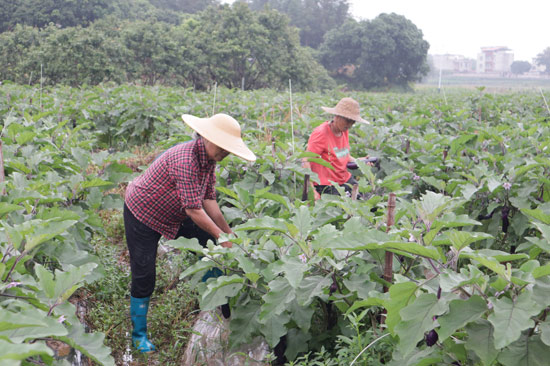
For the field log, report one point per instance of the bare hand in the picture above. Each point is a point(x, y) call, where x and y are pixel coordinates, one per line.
point(227, 244)
point(316, 195)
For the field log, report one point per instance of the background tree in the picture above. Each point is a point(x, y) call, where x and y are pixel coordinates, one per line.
point(520, 67)
point(64, 13)
point(184, 6)
point(313, 17)
point(254, 49)
point(386, 52)
point(543, 58)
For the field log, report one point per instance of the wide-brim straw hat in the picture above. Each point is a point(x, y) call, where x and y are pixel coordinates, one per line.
point(348, 108)
point(223, 131)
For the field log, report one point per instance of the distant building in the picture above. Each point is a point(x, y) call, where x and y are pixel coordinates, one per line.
point(453, 63)
point(494, 60)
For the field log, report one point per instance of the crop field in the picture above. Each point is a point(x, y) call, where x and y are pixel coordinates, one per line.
point(469, 242)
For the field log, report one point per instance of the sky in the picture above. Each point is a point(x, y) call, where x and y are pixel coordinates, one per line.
point(462, 27)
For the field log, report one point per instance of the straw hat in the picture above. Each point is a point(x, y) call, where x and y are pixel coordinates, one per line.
point(221, 130)
point(348, 108)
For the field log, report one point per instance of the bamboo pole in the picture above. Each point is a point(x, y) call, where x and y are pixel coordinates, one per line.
point(388, 266)
point(2, 176)
point(354, 191)
point(305, 191)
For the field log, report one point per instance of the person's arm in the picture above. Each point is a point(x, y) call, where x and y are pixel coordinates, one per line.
point(213, 210)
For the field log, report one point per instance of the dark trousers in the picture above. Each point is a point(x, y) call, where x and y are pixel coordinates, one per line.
point(326, 189)
point(142, 244)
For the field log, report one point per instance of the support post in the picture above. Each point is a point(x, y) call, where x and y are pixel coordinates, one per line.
point(388, 266)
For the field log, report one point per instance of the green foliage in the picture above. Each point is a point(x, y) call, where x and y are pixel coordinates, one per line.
point(520, 67)
point(469, 243)
point(228, 45)
point(82, 13)
point(387, 51)
point(543, 59)
point(48, 218)
point(314, 18)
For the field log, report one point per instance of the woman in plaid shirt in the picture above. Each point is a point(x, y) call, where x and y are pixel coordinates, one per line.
point(175, 197)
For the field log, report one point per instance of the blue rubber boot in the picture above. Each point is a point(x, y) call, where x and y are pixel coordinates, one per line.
point(215, 272)
point(212, 273)
point(138, 312)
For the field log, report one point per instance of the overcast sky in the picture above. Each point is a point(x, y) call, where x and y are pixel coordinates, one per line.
point(464, 26)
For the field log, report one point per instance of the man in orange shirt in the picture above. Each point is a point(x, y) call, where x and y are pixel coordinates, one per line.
point(331, 141)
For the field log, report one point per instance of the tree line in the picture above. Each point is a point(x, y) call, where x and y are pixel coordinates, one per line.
point(250, 44)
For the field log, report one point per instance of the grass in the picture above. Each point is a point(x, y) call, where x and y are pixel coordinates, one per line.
point(173, 303)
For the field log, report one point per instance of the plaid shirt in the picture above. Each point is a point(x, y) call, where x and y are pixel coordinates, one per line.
point(181, 177)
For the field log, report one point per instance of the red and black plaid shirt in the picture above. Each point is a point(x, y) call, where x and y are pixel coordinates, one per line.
point(182, 177)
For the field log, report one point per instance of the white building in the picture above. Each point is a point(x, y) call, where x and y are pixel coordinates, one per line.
point(454, 63)
point(492, 60)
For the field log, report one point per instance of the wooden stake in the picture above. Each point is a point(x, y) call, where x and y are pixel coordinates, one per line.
point(388, 267)
point(354, 191)
point(305, 191)
point(2, 177)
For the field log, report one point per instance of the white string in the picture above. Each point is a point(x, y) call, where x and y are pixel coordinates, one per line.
point(215, 91)
point(545, 102)
point(291, 115)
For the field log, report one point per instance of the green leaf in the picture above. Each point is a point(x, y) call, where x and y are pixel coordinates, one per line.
point(493, 183)
point(197, 267)
point(537, 214)
point(490, 262)
point(544, 229)
point(45, 278)
point(312, 287)
point(416, 319)
point(276, 198)
point(461, 239)
point(322, 162)
point(545, 332)
point(294, 270)
point(297, 342)
point(481, 341)
point(401, 294)
point(8, 207)
point(431, 205)
point(95, 182)
point(219, 290)
point(302, 220)
point(469, 190)
point(461, 312)
point(47, 231)
point(528, 351)
point(273, 328)
point(227, 192)
point(280, 294)
point(90, 344)
point(12, 353)
point(29, 325)
point(370, 239)
point(68, 281)
point(425, 357)
point(183, 243)
point(265, 223)
point(450, 280)
point(510, 318)
point(25, 137)
point(244, 323)
point(437, 183)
